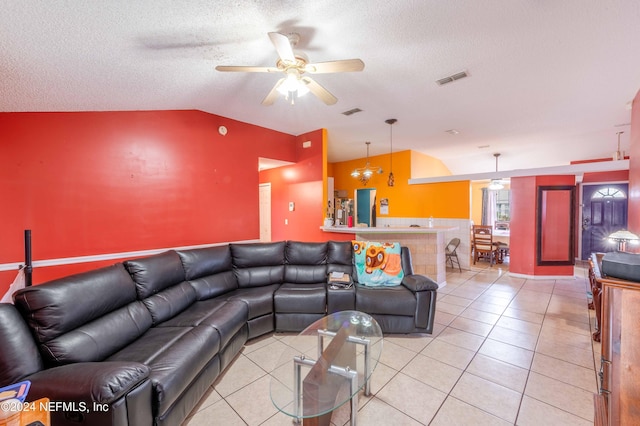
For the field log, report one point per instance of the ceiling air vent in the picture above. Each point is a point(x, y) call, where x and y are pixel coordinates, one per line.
point(352, 111)
point(452, 78)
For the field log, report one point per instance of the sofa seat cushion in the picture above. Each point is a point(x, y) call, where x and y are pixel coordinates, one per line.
point(195, 314)
point(385, 300)
point(226, 316)
point(175, 356)
point(301, 298)
point(258, 299)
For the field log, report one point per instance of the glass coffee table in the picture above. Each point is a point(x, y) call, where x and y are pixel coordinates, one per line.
point(325, 366)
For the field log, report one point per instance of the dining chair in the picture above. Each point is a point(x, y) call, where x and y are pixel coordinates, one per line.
point(450, 253)
point(483, 247)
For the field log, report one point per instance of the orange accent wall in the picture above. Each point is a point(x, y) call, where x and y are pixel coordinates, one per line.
point(522, 244)
point(442, 200)
point(634, 168)
point(90, 183)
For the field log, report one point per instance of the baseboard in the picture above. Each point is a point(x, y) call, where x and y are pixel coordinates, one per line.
point(542, 277)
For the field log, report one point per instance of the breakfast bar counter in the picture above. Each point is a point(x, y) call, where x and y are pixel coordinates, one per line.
point(426, 244)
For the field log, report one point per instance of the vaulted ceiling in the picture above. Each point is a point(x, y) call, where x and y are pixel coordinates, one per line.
point(548, 81)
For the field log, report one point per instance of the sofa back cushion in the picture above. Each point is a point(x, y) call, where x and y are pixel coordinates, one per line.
point(170, 302)
point(258, 264)
point(160, 283)
point(340, 257)
point(209, 270)
point(155, 273)
point(201, 262)
point(306, 263)
point(19, 356)
point(84, 317)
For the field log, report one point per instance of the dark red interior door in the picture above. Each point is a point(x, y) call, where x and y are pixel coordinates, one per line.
point(604, 211)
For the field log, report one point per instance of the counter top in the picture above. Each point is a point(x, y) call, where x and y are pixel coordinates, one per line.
point(388, 229)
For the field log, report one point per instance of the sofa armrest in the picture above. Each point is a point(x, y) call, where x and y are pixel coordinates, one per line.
point(417, 283)
point(101, 382)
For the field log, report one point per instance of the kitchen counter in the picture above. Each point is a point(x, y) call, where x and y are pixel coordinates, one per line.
point(388, 229)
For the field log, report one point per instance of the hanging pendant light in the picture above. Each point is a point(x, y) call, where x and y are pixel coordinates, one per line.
point(391, 181)
point(496, 184)
point(618, 155)
point(363, 174)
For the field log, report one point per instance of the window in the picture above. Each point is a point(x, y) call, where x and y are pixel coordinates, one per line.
point(608, 192)
point(503, 212)
point(496, 211)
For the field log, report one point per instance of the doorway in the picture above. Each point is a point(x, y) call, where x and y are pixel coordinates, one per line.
point(604, 211)
point(265, 212)
point(366, 206)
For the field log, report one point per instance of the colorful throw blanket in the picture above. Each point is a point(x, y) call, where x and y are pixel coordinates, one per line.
point(378, 264)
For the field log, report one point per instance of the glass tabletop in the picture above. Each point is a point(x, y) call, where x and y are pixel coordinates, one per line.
point(326, 364)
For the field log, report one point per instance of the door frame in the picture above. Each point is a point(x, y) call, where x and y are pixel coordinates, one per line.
point(578, 225)
point(261, 218)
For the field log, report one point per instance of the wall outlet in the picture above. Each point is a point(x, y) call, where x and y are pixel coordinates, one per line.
point(286, 221)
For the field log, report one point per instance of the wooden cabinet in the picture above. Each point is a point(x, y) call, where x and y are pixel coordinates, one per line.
point(618, 400)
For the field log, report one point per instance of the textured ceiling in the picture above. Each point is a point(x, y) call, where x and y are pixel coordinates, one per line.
point(549, 81)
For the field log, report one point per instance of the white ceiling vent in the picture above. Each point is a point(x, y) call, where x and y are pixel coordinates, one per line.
point(452, 78)
point(352, 111)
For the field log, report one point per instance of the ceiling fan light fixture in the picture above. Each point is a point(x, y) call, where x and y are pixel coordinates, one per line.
point(293, 86)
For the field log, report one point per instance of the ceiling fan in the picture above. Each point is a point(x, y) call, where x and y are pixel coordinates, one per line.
point(294, 64)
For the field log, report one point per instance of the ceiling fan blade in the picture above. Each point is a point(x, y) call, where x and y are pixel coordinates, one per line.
point(322, 93)
point(283, 46)
point(234, 68)
point(346, 65)
point(273, 94)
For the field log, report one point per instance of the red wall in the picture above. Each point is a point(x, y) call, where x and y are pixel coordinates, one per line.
point(634, 169)
point(522, 242)
point(302, 184)
point(90, 183)
point(612, 176)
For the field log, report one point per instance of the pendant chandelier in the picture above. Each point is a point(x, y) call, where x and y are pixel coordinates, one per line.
point(363, 174)
point(496, 184)
point(391, 181)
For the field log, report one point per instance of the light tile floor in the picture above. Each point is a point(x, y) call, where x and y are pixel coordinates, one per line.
point(504, 351)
